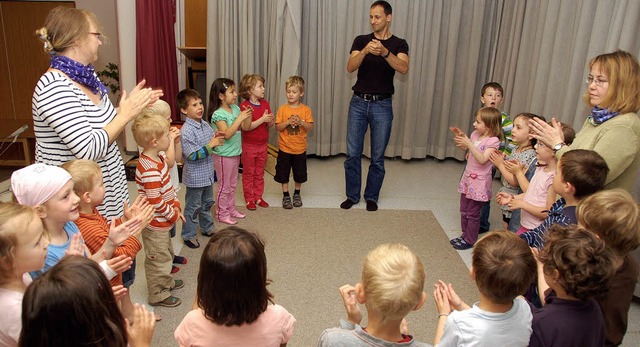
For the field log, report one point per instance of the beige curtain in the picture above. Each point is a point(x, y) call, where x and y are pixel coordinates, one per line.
point(536, 49)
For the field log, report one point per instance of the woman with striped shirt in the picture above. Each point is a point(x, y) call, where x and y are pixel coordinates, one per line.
point(72, 114)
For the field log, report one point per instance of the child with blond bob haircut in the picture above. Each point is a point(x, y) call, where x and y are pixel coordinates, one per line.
point(88, 186)
point(23, 248)
point(152, 133)
point(614, 216)
point(392, 286)
point(502, 267)
point(573, 268)
point(254, 140)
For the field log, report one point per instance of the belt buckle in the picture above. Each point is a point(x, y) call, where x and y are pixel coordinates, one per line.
point(368, 97)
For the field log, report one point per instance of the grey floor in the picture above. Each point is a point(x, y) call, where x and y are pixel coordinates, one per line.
point(413, 185)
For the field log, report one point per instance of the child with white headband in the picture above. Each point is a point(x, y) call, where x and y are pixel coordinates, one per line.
point(49, 191)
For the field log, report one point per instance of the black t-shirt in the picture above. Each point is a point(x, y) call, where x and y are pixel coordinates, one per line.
point(375, 75)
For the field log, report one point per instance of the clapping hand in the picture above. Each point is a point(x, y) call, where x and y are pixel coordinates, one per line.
point(141, 330)
point(348, 294)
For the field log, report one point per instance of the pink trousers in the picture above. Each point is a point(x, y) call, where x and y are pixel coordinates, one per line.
point(227, 173)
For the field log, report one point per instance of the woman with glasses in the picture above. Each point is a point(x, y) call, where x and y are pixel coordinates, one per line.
point(72, 115)
point(613, 127)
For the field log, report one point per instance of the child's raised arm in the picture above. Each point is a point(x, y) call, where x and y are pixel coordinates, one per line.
point(237, 123)
point(517, 202)
point(348, 294)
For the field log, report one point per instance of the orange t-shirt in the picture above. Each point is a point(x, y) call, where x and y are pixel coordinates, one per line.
point(293, 140)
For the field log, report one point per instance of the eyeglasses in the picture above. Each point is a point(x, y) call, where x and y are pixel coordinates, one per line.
point(598, 82)
point(98, 35)
point(539, 144)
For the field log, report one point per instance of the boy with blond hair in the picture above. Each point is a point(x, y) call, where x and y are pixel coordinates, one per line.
point(387, 296)
point(502, 267)
point(293, 121)
point(95, 228)
point(614, 216)
point(151, 132)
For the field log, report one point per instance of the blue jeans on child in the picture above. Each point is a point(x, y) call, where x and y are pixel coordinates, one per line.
point(197, 210)
point(378, 116)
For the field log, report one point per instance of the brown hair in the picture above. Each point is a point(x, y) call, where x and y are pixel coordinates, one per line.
point(247, 82)
point(530, 116)
point(232, 280)
point(83, 173)
point(492, 119)
point(586, 170)
point(74, 291)
point(567, 132)
point(393, 280)
point(583, 262)
point(218, 86)
point(623, 72)
point(186, 95)
point(492, 85)
point(503, 266)
point(147, 127)
point(64, 27)
point(9, 212)
point(614, 216)
point(295, 81)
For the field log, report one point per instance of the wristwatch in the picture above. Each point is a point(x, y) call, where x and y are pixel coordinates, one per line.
point(558, 146)
point(387, 55)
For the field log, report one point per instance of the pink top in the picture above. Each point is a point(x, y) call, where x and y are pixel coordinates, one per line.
point(536, 195)
point(10, 319)
point(273, 327)
point(475, 183)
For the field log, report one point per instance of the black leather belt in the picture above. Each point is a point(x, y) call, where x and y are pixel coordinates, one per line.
point(372, 97)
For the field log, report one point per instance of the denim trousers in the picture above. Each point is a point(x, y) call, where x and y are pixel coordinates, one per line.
point(197, 211)
point(378, 117)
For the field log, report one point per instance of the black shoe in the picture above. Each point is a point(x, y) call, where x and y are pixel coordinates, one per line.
point(483, 230)
point(372, 205)
point(462, 245)
point(177, 259)
point(347, 204)
point(456, 240)
point(192, 243)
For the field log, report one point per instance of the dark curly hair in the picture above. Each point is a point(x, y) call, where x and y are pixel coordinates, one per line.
point(583, 263)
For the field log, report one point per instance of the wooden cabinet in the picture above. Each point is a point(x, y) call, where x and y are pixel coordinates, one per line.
point(22, 62)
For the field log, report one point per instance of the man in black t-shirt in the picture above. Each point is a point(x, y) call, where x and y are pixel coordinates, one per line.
point(377, 57)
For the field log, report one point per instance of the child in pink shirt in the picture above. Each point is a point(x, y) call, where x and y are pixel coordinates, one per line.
point(233, 275)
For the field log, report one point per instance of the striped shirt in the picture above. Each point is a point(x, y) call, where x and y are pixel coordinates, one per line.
point(95, 231)
point(197, 171)
point(558, 214)
point(154, 182)
point(68, 125)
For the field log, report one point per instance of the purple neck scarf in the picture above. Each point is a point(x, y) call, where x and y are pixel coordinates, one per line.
point(83, 74)
point(600, 115)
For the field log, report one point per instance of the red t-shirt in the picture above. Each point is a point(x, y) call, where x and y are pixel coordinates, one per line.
point(259, 135)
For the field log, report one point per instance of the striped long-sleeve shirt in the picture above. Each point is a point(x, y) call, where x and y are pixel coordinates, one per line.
point(154, 182)
point(68, 125)
point(95, 231)
point(558, 214)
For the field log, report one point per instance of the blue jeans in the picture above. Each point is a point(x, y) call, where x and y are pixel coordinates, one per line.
point(378, 116)
point(197, 210)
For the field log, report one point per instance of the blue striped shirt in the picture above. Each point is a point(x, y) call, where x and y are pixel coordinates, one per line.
point(558, 214)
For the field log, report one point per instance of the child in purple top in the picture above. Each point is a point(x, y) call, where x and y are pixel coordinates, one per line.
point(573, 268)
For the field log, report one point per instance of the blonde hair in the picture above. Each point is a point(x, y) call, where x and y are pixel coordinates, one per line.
point(295, 81)
point(623, 72)
point(83, 173)
point(160, 107)
point(247, 82)
point(147, 127)
point(9, 230)
point(393, 280)
point(614, 216)
point(64, 27)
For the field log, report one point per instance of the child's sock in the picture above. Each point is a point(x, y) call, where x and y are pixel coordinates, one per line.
point(296, 192)
point(285, 193)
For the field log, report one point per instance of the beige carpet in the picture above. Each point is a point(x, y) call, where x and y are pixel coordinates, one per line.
point(311, 252)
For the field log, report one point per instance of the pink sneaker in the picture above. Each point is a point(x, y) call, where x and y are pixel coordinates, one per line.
point(228, 220)
point(237, 214)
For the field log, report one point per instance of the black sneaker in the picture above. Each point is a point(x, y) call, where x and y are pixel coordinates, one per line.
point(347, 204)
point(372, 205)
point(297, 200)
point(286, 202)
point(192, 243)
